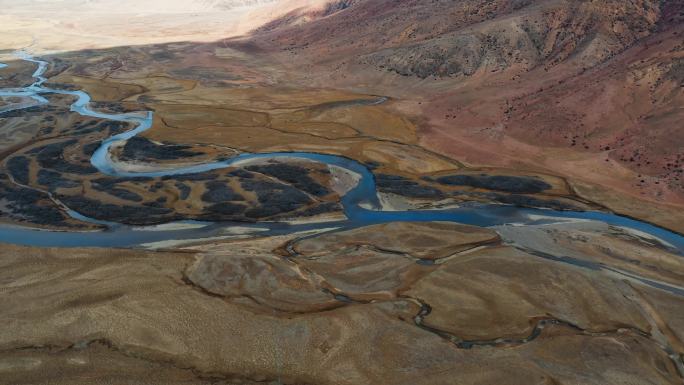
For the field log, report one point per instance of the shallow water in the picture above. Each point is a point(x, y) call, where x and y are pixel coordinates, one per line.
point(353, 202)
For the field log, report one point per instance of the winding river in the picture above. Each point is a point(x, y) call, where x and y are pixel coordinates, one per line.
point(360, 204)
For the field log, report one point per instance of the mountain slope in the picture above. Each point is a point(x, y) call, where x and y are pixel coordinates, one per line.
point(446, 38)
point(588, 89)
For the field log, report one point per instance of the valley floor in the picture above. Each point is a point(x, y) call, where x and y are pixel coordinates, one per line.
point(299, 288)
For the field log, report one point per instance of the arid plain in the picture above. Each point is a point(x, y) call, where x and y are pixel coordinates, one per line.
point(515, 113)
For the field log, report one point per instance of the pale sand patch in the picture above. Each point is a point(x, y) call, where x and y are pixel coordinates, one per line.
point(236, 232)
point(284, 158)
point(537, 217)
point(125, 167)
point(643, 235)
point(394, 202)
point(598, 226)
point(343, 180)
point(172, 226)
point(334, 217)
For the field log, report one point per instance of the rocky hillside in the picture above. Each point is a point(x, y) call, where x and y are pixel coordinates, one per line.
point(451, 38)
point(544, 34)
point(594, 82)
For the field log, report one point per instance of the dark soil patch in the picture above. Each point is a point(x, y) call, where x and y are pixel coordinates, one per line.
point(405, 187)
point(220, 192)
point(297, 176)
point(138, 148)
point(19, 168)
point(511, 184)
point(54, 180)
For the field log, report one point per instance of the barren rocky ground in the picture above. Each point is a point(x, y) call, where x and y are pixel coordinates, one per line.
point(365, 312)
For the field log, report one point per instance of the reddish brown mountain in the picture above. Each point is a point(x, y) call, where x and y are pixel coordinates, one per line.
point(588, 89)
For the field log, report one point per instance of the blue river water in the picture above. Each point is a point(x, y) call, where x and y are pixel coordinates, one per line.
point(361, 205)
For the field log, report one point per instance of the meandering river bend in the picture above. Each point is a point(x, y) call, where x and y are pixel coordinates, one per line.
point(360, 204)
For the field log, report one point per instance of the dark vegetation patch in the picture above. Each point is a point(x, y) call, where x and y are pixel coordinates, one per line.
point(57, 66)
point(30, 205)
point(525, 201)
point(241, 174)
point(47, 130)
point(51, 147)
point(322, 208)
point(132, 215)
point(528, 201)
point(19, 168)
point(31, 111)
point(402, 186)
point(192, 177)
point(156, 186)
point(111, 107)
point(162, 55)
point(138, 148)
point(372, 165)
point(108, 127)
point(159, 202)
point(114, 127)
point(85, 127)
point(90, 148)
point(125, 195)
point(224, 211)
point(274, 198)
point(296, 175)
point(184, 190)
point(111, 187)
point(133, 179)
point(54, 180)
point(51, 157)
point(220, 192)
point(511, 184)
